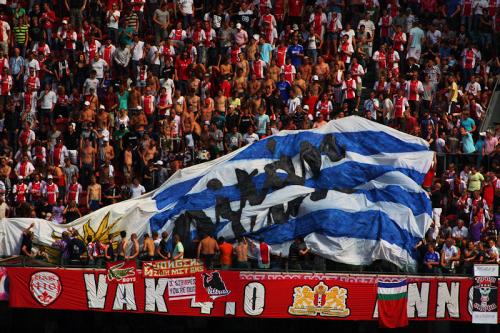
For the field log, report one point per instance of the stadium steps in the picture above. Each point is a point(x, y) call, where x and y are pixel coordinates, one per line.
point(492, 117)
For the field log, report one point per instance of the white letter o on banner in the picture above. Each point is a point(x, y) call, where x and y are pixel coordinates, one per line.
point(255, 296)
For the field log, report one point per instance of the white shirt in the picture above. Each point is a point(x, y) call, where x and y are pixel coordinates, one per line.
point(186, 6)
point(473, 88)
point(351, 33)
point(138, 51)
point(479, 6)
point(369, 26)
point(137, 191)
point(48, 99)
point(112, 22)
point(99, 66)
point(250, 138)
point(32, 64)
point(152, 55)
point(449, 251)
point(434, 36)
point(463, 232)
point(4, 31)
point(440, 144)
point(292, 104)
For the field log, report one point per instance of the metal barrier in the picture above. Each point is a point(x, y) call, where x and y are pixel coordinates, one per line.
point(21, 261)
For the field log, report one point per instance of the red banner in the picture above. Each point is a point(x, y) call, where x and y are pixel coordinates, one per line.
point(240, 294)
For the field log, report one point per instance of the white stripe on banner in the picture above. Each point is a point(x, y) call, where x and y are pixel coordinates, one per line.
point(392, 291)
point(352, 250)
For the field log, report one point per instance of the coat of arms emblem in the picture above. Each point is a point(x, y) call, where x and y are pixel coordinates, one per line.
point(327, 302)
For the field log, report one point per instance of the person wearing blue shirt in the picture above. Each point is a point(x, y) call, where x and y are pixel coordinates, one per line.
point(453, 12)
point(296, 53)
point(467, 142)
point(266, 50)
point(431, 260)
point(284, 88)
point(467, 122)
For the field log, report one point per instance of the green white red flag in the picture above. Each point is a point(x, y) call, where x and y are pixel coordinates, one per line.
point(392, 304)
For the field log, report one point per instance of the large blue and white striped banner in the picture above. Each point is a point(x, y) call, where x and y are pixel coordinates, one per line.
point(351, 189)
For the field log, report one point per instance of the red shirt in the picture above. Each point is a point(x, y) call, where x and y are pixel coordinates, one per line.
point(182, 66)
point(295, 7)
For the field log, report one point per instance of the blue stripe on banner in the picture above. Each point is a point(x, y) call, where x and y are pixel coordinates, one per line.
point(173, 193)
point(351, 174)
point(343, 176)
point(401, 283)
point(369, 225)
point(363, 142)
point(418, 202)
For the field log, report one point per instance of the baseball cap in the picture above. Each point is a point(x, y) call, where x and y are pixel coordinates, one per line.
point(64, 21)
point(19, 177)
point(50, 177)
point(238, 25)
point(139, 107)
point(87, 103)
point(305, 107)
point(315, 78)
point(295, 27)
point(160, 162)
point(101, 107)
point(256, 36)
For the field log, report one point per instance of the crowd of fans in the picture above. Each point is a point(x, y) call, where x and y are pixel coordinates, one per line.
point(101, 101)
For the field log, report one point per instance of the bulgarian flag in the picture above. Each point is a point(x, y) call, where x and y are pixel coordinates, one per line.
point(392, 304)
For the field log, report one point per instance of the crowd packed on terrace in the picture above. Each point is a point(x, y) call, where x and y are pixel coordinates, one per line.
point(102, 100)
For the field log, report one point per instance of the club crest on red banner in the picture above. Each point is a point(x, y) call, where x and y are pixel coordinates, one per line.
point(121, 272)
point(45, 287)
point(329, 302)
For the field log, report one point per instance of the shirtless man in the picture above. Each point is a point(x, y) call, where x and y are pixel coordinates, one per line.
point(94, 194)
point(274, 71)
point(87, 115)
point(322, 69)
point(148, 248)
point(254, 86)
point(241, 251)
point(139, 121)
point(240, 82)
point(102, 118)
point(206, 112)
point(193, 102)
point(107, 150)
point(207, 249)
point(306, 70)
point(194, 84)
point(134, 252)
point(152, 81)
point(134, 99)
point(87, 154)
point(299, 85)
point(92, 99)
point(269, 84)
point(221, 102)
point(149, 152)
point(127, 160)
point(122, 245)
